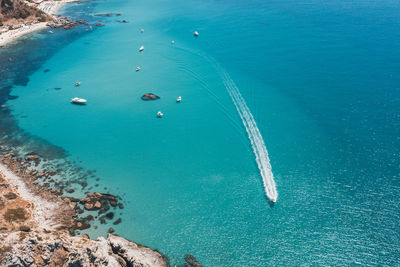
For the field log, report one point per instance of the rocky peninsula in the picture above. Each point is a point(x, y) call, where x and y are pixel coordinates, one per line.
point(35, 231)
point(39, 225)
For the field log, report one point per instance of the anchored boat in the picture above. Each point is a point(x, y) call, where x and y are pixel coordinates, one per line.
point(78, 101)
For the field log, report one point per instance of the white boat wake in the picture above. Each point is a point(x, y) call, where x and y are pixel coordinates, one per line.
point(257, 142)
point(254, 135)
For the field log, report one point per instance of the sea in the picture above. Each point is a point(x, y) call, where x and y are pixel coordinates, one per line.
point(293, 101)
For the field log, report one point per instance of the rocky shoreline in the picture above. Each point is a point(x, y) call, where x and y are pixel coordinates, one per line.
point(38, 226)
point(35, 228)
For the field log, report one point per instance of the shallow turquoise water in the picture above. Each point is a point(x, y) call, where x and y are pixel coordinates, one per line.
point(321, 80)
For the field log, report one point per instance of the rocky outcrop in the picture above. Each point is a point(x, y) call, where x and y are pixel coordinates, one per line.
point(38, 228)
point(35, 224)
point(135, 254)
point(191, 261)
point(150, 96)
point(61, 22)
point(79, 251)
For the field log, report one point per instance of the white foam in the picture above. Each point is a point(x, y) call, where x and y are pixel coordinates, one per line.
point(257, 142)
point(255, 137)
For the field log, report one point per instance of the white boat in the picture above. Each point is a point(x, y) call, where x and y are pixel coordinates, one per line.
point(196, 33)
point(51, 32)
point(138, 68)
point(142, 30)
point(78, 101)
point(179, 99)
point(172, 42)
point(141, 48)
point(77, 83)
point(160, 114)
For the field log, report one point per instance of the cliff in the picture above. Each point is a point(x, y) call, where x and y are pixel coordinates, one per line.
point(13, 11)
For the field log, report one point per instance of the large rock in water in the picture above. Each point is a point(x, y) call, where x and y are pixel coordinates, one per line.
point(150, 96)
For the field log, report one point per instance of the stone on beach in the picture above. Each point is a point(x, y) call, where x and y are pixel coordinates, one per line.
point(10, 196)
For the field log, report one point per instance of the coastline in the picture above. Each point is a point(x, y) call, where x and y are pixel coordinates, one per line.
point(50, 8)
point(34, 230)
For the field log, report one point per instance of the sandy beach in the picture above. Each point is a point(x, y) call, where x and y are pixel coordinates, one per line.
point(49, 8)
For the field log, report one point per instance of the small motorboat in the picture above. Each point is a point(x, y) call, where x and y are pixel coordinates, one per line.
point(78, 101)
point(172, 42)
point(196, 33)
point(137, 68)
point(141, 48)
point(77, 83)
point(179, 99)
point(142, 30)
point(51, 32)
point(160, 114)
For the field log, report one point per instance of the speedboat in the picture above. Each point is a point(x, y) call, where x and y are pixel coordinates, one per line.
point(160, 114)
point(141, 48)
point(196, 33)
point(172, 42)
point(51, 32)
point(77, 83)
point(142, 30)
point(179, 99)
point(138, 68)
point(78, 101)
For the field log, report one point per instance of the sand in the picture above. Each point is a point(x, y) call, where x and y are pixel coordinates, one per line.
point(48, 7)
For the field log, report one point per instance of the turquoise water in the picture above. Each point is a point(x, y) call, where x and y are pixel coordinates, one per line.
point(321, 80)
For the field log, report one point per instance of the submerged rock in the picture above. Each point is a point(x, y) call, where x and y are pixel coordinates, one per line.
point(110, 215)
point(150, 96)
point(79, 21)
point(190, 261)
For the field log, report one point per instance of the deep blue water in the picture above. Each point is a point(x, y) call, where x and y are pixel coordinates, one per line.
point(321, 79)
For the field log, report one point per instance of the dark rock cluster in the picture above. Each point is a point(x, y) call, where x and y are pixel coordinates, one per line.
point(31, 168)
point(150, 96)
point(61, 22)
point(190, 261)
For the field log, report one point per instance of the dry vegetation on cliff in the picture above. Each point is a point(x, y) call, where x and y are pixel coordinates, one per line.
point(16, 11)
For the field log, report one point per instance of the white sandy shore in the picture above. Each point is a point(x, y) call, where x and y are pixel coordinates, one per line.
point(43, 209)
point(48, 7)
